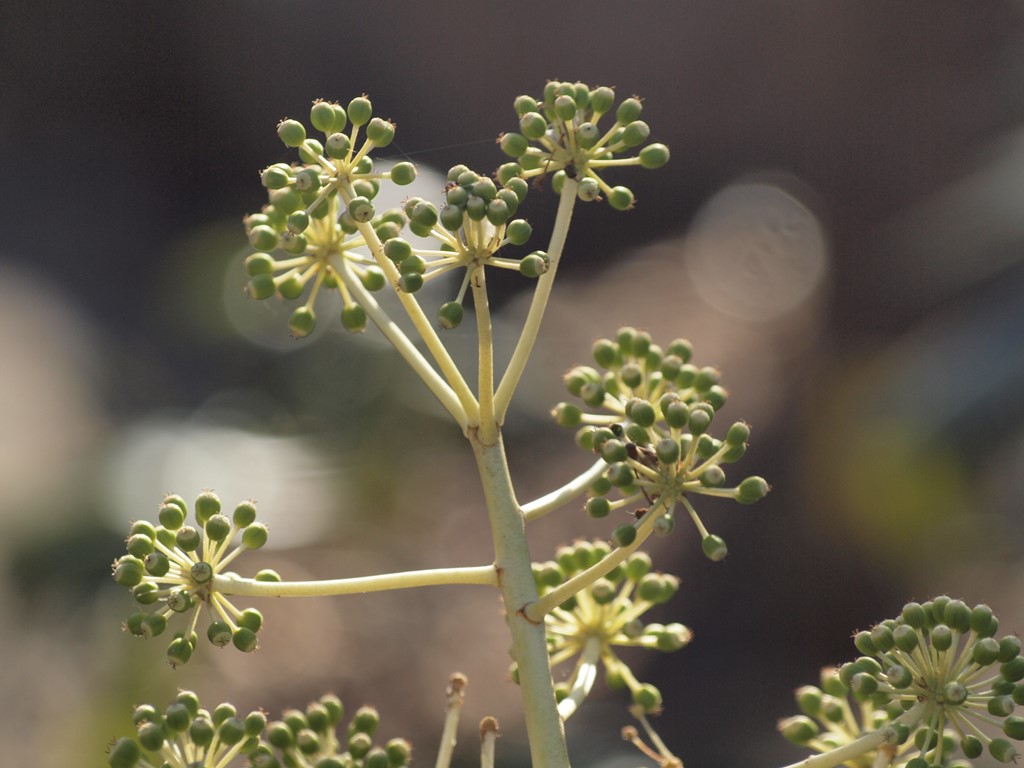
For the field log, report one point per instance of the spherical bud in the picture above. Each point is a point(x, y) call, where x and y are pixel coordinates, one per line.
point(1013, 670)
point(359, 110)
point(450, 315)
point(128, 571)
point(534, 265)
point(635, 134)
point(533, 125)
point(365, 720)
point(1009, 648)
point(1002, 750)
point(799, 730)
point(291, 132)
point(179, 651)
point(751, 490)
point(353, 318)
point(125, 753)
point(601, 99)
point(654, 156)
point(628, 111)
point(647, 697)
point(403, 173)
point(667, 451)
point(518, 231)
point(302, 322)
point(914, 615)
point(513, 144)
point(338, 145)
point(254, 536)
point(597, 507)
point(276, 176)
point(624, 535)
point(218, 527)
point(361, 209)
point(380, 132)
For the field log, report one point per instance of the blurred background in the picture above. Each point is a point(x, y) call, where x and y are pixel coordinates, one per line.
point(840, 230)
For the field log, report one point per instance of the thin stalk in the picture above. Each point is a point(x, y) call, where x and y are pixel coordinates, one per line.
point(516, 365)
point(565, 494)
point(456, 686)
point(538, 610)
point(488, 735)
point(440, 389)
point(485, 361)
point(583, 680)
point(518, 589)
point(865, 743)
point(415, 312)
point(232, 584)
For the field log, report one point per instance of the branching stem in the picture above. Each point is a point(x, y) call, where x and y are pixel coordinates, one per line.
point(232, 584)
point(561, 496)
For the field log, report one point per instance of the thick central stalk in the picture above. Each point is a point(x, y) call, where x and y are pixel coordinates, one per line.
point(515, 579)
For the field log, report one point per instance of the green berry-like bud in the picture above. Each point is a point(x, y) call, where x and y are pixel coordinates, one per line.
point(635, 134)
point(255, 536)
point(353, 318)
point(620, 198)
point(380, 132)
point(179, 651)
point(654, 156)
point(588, 190)
point(914, 615)
point(1000, 706)
point(518, 231)
point(624, 535)
point(799, 730)
point(263, 238)
point(597, 507)
point(207, 505)
point(513, 144)
point(451, 218)
point(291, 132)
point(972, 747)
point(125, 753)
point(985, 651)
point(244, 639)
point(276, 176)
point(244, 514)
point(533, 125)
point(128, 571)
point(647, 697)
point(365, 720)
point(219, 634)
point(534, 265)
point(337, 146)
point(628, 111)
point(359, 110)
point(905, 638)
point(157, 564)
point(450, 315)
point(218, 527)
point(751, 490)
point(714, 547)
point(1013, 670)
point(403, 173)
point(1002, 750)
point(361, 209)
point(1009, 648)
point(942, 637)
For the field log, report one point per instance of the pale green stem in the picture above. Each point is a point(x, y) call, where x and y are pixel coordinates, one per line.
point(518, 589)
point(485, 391)
point(488, 735)
point(583, 680)
point(232, 584)
point(441, 390)
point(565, 494)
point(516, 365)
point(865, 743)
point(451, 721)
point(538, 610)
point(415, 312)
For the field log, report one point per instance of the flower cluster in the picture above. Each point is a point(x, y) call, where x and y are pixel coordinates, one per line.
point(657, 408)
point(590, 624)
point(186, 735)
point(934, 677)
point(559, 134)
point(173, 566)
point(475, 223)
point(315, 208)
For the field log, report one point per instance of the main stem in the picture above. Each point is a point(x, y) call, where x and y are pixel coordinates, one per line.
point(518, 589)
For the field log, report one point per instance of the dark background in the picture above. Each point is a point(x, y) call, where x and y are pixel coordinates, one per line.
point(886, 397)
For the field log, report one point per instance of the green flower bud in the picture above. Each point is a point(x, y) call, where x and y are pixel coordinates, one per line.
point(752, 489)
point(201, 572)
point(513, 144)
point(359, 110)
point(628, 111)
point(254, 536)
point(1002, 750)
point(905, 638)
point(941, 637)
point(972, 747)
point(365, 720)
point(403, 173)
point(125, 753)
point(267, 574)
point(533, 125)
point(450, 315)
point(291, 132)
point(635, 134)
point(881, 638)
point(179, 651)
point(353, 318)
point(263, 238)
point(712, 477)
point(602, 99)
point(244, 514)
point(361, 209)
point(157, 564)
point(1009, 648)
point(128, 571)
point(380, 132)
point(276, 176)
point(799, 729)
point(534, 265)
point(654, 156)
point(1013, 670)
point(218, 527)
point(667, 451)
point(597, 507)
point(1000, 706)
point(219, 634)
point(647, 697)
point(913, 614)
point(714, 547)
point(624, 535)
point(981, 618)
point(261, 287)
point(338, 146)
point(244, 639)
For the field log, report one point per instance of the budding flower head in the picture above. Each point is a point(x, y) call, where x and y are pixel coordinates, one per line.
point(649, 412)
point(936, 676)
point(607, 614)
point(171, 569)
point(312, 232)
point(184, 727)
point(560, 134)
